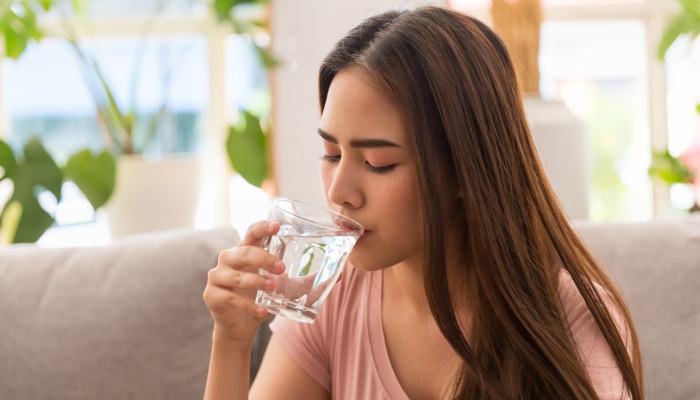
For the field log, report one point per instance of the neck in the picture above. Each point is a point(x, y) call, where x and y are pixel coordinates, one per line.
point(405, 281)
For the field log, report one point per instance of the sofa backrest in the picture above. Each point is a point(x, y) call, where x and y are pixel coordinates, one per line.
point(123, 321)
point(127, 320)
point(657, 266)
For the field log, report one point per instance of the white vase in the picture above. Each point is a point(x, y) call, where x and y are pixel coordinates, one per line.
point(560, 138)
point(153, 195)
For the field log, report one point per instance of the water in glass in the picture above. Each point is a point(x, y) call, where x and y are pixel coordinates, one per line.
point(313, 263)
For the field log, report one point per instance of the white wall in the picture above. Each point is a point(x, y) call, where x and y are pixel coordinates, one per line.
point(304, 31)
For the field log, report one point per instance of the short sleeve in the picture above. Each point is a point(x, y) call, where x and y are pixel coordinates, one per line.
point(593, 349)
point(309, 344)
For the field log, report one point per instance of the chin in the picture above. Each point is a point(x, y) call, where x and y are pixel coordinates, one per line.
point(361, 261)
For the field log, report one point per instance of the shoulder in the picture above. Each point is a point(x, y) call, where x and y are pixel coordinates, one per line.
point(593, 349)
point(576, 310)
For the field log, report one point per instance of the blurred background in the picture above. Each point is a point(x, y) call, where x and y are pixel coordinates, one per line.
point(125, 116)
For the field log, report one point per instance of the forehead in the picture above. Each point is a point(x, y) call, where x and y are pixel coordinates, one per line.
point(357, 109)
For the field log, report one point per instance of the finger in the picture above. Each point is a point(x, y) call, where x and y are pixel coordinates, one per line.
point(251, 257)
point(258, 231)
point(294, 288)
point(220, 301)
point(231, 278)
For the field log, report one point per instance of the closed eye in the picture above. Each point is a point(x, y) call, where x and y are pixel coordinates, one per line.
point(369, 167)
point(379, 170)
point(330, 159)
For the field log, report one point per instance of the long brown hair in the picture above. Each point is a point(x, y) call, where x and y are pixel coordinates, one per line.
point(454, 81)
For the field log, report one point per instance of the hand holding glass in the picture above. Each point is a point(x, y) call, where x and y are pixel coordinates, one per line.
point(313, 242)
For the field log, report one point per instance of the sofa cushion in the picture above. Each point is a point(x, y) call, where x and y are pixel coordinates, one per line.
point(657, 266)
point(121, 321)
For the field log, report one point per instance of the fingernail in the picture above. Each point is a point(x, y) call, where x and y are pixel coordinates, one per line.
point(260, 311)
point(268, 283)
point(278, 266)
point(271, 226)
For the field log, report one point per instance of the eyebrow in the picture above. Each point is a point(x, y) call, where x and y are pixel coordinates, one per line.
point(359, 143)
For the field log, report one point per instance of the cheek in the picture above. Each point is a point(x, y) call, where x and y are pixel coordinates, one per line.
point(396, 215)
point(326, 175)
point(402, 209)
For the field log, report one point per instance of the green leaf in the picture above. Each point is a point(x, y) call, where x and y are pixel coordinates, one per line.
point(7, 161)
point(14, 44)
point(678, 26)
point(128, 120)
point(46, 4)
point(268, 60)
point(10, 222)
point(669, 169)
point(223, 7)
point(108, 109)
point(18, 30)
point(691, 7)
point(18, 23)
point(151, 129)
point(308, 256)
point(80, 7)
point(94, 176)
point(36, 172)
point(247, 150)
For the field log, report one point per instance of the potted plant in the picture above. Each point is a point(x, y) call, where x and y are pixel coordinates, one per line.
point(151, 193)
point(686, 167)
point(23, 220)
point(146, 194)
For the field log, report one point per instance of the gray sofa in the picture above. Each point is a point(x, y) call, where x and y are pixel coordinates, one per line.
point(127, 321)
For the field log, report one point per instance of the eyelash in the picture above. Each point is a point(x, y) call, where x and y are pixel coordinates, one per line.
point(368, 167)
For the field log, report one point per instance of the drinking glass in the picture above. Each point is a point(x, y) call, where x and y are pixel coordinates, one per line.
point(313, 242)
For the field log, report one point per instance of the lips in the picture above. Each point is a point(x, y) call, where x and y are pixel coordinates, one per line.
point(346, 226)
point(364, 235)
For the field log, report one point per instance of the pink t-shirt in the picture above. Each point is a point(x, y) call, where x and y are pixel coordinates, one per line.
point(345, 351)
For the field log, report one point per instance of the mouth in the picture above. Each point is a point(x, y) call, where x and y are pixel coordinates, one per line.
point(364, 235)
point(346, 226)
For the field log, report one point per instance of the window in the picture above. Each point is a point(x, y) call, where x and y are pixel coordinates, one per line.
point(45, 93)
point(683, 89)
point(485, 4)
point(247, 88)
point(598, 69)
point(598, 57)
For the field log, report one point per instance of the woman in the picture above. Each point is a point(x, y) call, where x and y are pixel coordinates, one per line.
point(470, 283)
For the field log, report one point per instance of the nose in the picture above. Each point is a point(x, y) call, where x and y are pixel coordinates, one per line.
point(345, 189)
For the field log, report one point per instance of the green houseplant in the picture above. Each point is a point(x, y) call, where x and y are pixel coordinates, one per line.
point(686, 167)
point(95, 175)
point(23, 219)
point(246, 144)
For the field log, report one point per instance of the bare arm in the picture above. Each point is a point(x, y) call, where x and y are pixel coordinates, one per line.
point(229, 294)
point(280, 377)
point(229, 369)
point(231, 287)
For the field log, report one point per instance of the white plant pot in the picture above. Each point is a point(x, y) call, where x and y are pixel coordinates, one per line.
point(153, 195)
point(560, 138)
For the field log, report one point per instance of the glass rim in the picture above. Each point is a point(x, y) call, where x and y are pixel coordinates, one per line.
point(274, 199)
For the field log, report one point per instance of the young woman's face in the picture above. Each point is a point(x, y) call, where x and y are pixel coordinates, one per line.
point(368, 172)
